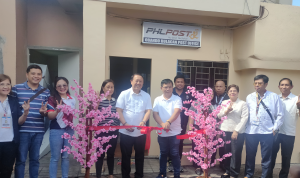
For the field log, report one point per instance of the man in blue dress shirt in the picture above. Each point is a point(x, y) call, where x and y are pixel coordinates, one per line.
point(265, 118)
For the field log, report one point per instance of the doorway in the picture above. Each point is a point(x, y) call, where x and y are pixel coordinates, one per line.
point(54, 63)
point(122, 68)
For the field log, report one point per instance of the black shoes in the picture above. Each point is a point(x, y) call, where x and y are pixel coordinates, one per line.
point(225, 176)
point(198, 171)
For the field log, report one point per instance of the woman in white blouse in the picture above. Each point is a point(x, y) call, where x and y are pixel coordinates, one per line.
point(236, 111)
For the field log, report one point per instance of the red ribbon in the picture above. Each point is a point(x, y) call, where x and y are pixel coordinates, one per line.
point(186, 136)
point(144, 130)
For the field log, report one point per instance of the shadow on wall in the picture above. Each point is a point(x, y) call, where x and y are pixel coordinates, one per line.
point(2, 41)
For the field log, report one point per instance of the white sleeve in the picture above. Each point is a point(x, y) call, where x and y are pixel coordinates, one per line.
point(121, 101)
point(178, 104)
point(244, 118)
point(155, 105)
point(149, 104)
point(279, 113)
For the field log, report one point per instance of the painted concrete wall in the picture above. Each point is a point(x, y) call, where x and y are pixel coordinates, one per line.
point(21, 40)
point(50, 27)
point(8, 38)
point(123, 38)
point(275, 38)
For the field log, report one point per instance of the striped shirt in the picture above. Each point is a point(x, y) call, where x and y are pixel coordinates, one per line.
point(34, 121)
point(105, 103)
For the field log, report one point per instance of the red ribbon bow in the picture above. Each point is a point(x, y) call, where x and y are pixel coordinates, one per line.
point(186, 136)
point(144, 130)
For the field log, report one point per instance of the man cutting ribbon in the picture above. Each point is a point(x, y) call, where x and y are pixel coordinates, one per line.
point(166, 112)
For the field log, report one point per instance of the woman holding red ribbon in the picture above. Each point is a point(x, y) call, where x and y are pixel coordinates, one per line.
point(108, 87)
point(60, 96)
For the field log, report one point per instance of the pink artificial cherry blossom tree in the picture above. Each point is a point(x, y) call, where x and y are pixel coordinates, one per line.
point(207, 141)
point(86, 146)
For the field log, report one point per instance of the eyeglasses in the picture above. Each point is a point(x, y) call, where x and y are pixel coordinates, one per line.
point(167, 88)
point(61, 86)
point(2, 85)
point(258, 83)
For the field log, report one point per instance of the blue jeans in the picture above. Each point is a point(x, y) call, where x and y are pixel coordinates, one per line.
point(169, 146)
point(56, 144)
point(266, 142)
point(29, 142)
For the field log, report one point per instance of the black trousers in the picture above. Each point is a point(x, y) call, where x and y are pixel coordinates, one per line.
point(184, 122)
point(286, 143)
point(221, 153)
point(110, 154)
point(126, 143)
point(8, 153)
point(233, 164)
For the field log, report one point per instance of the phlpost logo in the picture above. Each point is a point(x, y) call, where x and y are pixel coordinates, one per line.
point(183, 33)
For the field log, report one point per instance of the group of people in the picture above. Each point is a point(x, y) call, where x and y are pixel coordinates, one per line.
point(265, 117)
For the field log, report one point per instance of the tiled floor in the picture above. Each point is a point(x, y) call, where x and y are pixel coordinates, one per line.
point(151, 170)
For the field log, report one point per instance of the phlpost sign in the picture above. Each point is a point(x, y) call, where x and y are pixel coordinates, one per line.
point(168, 34)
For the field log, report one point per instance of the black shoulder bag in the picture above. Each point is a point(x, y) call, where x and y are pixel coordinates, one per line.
point(268, 111)
point(37, 94)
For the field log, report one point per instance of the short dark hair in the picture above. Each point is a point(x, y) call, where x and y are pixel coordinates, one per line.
point(291, 83)
point(233, 86)
point(179, 75)
point(131, 78)
point(166, 81)
point(263, 77)
point(33, 66)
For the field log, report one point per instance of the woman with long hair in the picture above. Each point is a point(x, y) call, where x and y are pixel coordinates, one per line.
point(60, 96)
point(108, 88)
point(11, 117)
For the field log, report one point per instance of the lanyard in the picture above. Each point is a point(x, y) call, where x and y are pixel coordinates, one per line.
point(4, 108)
point(220, 100)
point(258, 101)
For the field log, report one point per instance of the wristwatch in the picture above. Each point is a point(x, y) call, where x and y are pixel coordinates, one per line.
point(144, 122)
point(169, 122)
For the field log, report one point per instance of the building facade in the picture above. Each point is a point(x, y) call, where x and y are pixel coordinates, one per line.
point(94, 40)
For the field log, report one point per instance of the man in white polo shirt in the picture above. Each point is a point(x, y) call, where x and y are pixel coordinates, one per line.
point(287, 132)
point(134, 108)
point(166, 112)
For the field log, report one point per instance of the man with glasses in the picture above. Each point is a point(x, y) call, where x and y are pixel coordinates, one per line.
point(265, 118)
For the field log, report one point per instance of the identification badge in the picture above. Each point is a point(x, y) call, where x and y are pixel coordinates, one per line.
point(256, 122)
point(6, 122)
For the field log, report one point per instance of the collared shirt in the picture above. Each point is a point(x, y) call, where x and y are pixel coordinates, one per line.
point(262, 123)
point(58, 122)
point(165, 109)
point(34, 121)
point(291, 114)
point(237, 118)
point(106, 103)
point(134, 108)
point(184, 97)
point(6, 133)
